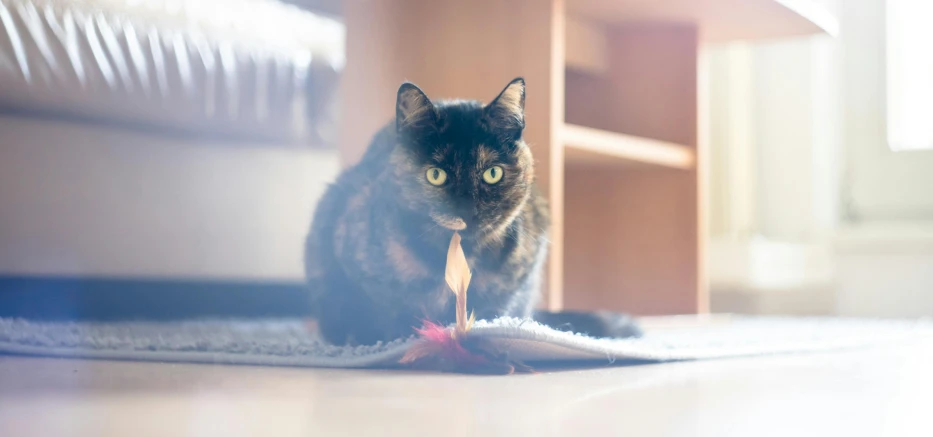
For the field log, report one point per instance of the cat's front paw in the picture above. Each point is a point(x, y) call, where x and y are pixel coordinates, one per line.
point(617, 325)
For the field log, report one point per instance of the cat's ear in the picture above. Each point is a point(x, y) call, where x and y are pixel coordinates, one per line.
point(507, 112)
point(413, 108)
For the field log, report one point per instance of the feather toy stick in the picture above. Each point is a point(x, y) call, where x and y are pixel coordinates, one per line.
point(452, 349)
point(457, 276)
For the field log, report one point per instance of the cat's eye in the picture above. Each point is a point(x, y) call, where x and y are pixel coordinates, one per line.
point(492, 174)
point(436, 176)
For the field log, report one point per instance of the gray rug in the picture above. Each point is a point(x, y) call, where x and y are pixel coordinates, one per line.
point(290, 342)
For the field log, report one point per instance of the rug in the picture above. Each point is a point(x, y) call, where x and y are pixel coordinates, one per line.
point(291, 343)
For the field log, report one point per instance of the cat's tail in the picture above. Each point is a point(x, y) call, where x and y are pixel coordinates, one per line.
point(594, 324)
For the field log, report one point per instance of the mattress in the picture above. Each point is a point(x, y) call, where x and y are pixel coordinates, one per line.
point(249, 68)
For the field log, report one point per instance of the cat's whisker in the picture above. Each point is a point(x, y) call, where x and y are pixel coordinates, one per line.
point(433, 227)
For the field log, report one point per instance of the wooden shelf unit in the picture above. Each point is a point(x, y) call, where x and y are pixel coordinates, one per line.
point(611, 114)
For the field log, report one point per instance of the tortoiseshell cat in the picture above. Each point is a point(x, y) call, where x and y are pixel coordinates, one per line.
point(376, 251)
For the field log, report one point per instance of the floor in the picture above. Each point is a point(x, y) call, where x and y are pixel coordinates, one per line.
point(857, 393)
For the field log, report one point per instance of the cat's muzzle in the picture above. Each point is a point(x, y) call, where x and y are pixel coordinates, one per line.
point(449, 222)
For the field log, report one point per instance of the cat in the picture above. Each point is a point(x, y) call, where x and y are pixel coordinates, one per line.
point(375, 253)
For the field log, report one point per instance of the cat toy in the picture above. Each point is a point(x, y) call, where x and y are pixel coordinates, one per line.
point(453, 349)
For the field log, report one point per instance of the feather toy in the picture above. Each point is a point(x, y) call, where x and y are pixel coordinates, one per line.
point(452, 349)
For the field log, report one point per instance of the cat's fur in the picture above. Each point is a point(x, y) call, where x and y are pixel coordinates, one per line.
point(376, 251)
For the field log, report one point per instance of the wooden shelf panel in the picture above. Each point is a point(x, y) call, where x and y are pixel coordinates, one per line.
point(587, 44)
point(584, 145)
point(718, 20)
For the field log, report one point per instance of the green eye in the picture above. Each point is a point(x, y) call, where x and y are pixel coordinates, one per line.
point(492, 174)
point(436, 176)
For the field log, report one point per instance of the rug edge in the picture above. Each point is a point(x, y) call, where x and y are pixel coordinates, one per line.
point(387, 357)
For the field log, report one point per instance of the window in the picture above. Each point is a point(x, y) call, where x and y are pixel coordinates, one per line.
point(910, 74)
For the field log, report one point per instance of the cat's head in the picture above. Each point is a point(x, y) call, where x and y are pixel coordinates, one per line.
point(462, 163)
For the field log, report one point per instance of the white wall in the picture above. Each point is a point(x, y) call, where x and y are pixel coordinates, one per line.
point(885, 270)
point(773, 142)
point(796, 138)
point(82, 200)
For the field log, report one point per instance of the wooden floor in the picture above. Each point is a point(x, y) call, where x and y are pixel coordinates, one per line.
point(865, 393)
